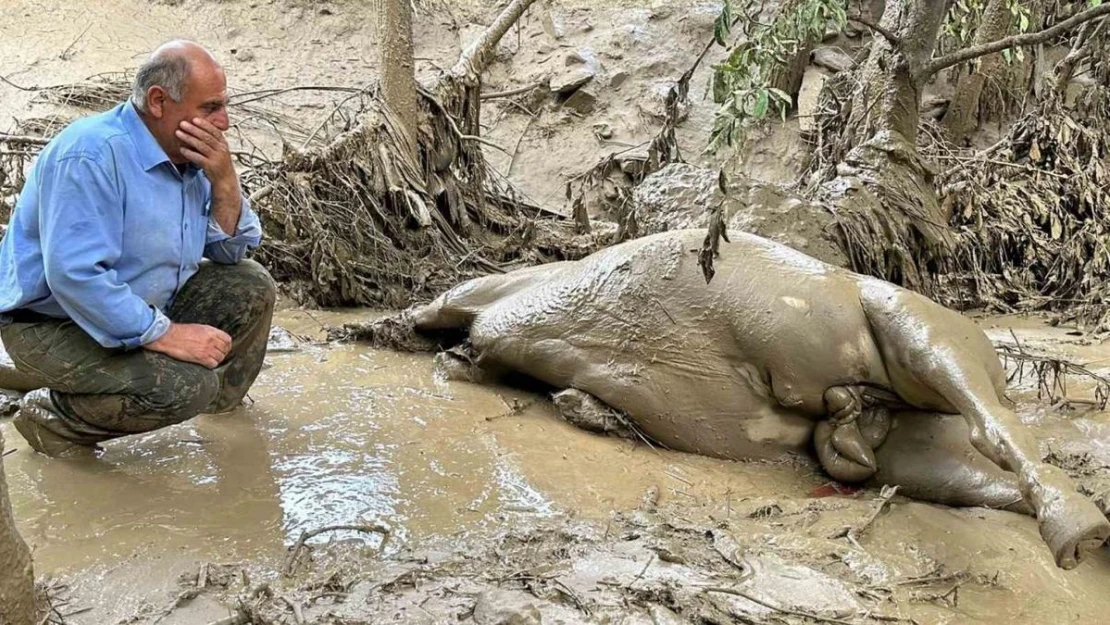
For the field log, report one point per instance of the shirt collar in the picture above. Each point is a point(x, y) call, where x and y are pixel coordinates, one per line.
point(150, 153)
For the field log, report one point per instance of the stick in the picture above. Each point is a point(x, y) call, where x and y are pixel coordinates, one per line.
point(887, 493)
point(262, 94)
point(510, 93)
point(771, 606)
point(891, 37)
point(486, 142)
point(306, 535)
point(298, 615)
point(65, 53)
point(8, 138)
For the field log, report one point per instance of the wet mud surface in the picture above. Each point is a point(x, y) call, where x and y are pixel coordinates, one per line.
point(497, 512)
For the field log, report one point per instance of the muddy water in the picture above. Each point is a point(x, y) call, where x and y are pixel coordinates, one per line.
point(341, 434)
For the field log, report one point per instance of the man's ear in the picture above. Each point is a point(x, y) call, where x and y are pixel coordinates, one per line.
point(156, 101)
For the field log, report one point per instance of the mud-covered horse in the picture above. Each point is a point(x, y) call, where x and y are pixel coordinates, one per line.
point(778, 352)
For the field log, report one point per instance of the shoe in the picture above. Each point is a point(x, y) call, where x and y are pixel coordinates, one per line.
point(36, 410)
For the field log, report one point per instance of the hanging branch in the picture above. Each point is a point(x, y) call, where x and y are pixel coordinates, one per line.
point(1028, 39)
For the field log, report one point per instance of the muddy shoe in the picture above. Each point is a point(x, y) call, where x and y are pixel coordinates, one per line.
point(36, 410)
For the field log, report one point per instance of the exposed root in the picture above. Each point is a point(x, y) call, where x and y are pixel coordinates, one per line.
point(1051, 375)
point(1031, 218)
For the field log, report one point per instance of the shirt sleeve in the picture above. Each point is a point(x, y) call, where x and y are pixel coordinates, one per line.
point(81, 228)
point(220, 247)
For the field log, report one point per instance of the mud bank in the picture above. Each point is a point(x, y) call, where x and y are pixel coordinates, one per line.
point(494, 505)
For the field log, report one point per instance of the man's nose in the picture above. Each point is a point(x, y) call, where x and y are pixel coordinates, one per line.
point(219, 120)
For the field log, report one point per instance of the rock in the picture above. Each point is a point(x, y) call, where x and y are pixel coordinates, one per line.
point(506, 607)
point(243, 55)
point(618, 79)
point(572, 79)
point(582, 101)
point(832, 58)
point(681, 196)
point(602, 130)
point(812, 82)
point(655, 104)
point(553, 24)
point(281, 341)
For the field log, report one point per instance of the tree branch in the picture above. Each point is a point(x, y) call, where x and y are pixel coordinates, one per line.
point(1028, 39)
point(24, 139)
point(473, 61)
point(891, 37)
point(1080, 50)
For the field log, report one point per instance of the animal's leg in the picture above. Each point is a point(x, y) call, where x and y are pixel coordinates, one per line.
point(590, 413)
point(458, 307)
point(854, 427)
point(936, 358)
point(930, 457)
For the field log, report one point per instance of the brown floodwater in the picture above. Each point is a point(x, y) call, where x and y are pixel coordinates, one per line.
point(343, 434)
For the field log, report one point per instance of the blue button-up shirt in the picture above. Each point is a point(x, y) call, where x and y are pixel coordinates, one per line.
point(107, 230)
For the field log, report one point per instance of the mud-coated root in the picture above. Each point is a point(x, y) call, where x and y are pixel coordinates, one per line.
point(590, 413)
point(17, 579)
point(396, 332)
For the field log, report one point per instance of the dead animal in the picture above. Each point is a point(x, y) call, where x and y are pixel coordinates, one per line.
point(779, 352)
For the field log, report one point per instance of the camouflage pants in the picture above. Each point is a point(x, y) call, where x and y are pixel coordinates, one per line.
point(103, 394)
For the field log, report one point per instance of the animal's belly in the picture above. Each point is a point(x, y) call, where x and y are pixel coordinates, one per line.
point(707, 405)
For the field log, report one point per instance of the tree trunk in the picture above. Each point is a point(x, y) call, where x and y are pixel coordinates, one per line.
point(788, 76)
point(17, 579)
point(398, 78)
point(882, 193)
point(963, 113)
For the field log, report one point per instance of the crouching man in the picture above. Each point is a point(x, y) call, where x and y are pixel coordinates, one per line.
point(106, 297)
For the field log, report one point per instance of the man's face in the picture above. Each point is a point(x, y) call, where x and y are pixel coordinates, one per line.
point(205, 97)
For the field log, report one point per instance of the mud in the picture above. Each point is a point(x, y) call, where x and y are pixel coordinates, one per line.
point(488, 492)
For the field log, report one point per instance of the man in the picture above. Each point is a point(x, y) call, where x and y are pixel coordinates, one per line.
point(104, 295)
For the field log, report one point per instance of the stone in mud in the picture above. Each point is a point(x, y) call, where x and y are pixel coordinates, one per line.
point(568, 81)
point(553, 24)
point(582, 101)
point(655, 104)
point(586, 412)
point(832, 58)
point(281, 341)
point(680, 196)
point(506, 607)
point(618, 79)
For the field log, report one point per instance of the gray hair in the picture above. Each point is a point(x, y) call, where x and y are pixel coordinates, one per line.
point(168, 71)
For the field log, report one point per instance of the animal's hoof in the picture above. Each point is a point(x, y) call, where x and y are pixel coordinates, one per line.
point(839, 465)
point(1074, 529)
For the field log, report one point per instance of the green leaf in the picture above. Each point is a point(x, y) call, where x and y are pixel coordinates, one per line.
point(761, 102)
point(722, 27)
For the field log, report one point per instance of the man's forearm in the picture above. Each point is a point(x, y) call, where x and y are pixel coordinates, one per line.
point(227, 202)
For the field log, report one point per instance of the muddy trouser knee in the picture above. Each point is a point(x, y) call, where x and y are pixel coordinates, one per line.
point(101, 394)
